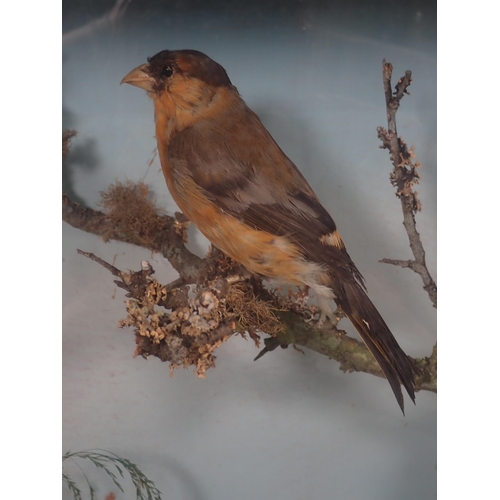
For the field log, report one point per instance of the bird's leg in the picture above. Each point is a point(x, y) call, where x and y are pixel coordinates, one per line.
point(328, 313)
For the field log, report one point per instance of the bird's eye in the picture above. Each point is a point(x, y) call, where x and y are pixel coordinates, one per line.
point(149, 59)
point(166, 71)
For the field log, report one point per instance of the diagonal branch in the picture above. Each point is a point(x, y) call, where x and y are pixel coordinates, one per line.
point(108, 19)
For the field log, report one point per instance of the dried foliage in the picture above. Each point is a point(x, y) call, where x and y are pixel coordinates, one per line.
point(114, 466)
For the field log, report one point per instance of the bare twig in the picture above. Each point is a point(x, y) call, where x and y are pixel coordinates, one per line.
point(403, 177)
point(400, 263)
point(112, 269)
point(108, 19)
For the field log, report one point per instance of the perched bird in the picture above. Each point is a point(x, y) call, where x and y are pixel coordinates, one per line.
point(231, 179)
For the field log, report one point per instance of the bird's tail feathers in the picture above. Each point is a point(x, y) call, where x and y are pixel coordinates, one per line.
point(370, 325)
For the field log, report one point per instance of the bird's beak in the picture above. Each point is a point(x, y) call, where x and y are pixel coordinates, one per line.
point(139, 78)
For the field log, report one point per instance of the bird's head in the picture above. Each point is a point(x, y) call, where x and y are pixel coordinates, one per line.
point(181, 81)
point(169, 68)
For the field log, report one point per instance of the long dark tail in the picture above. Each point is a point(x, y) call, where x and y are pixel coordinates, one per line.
point(378, 338)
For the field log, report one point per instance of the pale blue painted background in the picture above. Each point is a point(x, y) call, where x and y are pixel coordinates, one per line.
point(288, 426)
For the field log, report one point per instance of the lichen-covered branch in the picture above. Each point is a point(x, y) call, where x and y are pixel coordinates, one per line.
point(403, 177)
point(184, 329)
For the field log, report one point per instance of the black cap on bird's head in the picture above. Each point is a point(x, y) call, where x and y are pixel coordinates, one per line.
point(154, 75)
